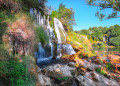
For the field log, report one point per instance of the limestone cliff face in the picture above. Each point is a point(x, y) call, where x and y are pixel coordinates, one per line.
point(20, 36)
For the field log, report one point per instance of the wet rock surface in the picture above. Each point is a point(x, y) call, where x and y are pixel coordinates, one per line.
point(68, 75)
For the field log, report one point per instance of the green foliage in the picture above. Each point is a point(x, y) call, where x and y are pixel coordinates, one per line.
point(93, 52)
point(111, 34)
point(104, 4)
point(42, 36)
point(110, 67)
point(55, 33)
point(65, 15)
point(114, 31)
point(54, 14)
point(87, 55)
point(99, 70)
point(81, 55)
point(97, 36)
point(4, 16)
point(115, 41)
point(96, 33)
point(17, 73)
point(100, 45)
point(84, 32)
point(83, 40)
point(3, 52)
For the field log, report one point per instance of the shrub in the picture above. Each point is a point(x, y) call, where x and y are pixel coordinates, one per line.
point(17, 73)
point(42, 36)
point(101, 71)
point(81, 55)
point(3, 52)
point(115, 41)
point(109, 66)
point(101, 45)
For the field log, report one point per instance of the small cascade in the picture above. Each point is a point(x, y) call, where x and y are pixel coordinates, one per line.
point(58, 26)
point(52, 48)
point(40, 20)
point(68, 49)
point(40, 55)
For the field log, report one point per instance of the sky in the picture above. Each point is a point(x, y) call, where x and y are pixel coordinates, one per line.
point(84, 14)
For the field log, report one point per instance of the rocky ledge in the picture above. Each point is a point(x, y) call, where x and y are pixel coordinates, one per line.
point(69, 75)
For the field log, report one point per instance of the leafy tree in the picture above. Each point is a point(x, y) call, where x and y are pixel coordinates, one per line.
point(115, 41)
point(114, 31)
point(104, 30)
point(65, 15)
point(106, 4)
point(54, 14)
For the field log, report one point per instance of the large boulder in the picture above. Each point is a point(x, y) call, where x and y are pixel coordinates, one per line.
point(58, 71)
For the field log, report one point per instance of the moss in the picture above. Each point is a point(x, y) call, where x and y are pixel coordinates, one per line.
point(55, 33)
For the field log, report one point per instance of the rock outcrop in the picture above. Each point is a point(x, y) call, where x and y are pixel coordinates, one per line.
point(69, 75)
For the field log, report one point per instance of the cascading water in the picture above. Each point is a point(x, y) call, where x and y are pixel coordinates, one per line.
point(51, 34)
point(58, 26)
point(40, 20)
point(41, 54)
point(67, 48)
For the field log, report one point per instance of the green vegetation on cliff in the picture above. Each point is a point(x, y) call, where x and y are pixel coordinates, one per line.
point(18, 36)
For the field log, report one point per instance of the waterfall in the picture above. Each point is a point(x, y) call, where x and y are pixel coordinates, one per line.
point(51, 34)
point(40, 20)
point(58, 26)
point(67, 48)
point(60, 32)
